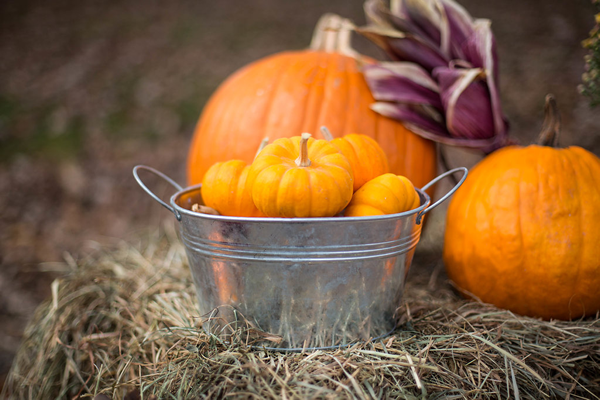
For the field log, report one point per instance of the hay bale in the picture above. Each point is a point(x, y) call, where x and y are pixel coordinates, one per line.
point(124, 322)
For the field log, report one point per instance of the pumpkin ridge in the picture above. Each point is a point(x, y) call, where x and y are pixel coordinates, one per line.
point(327, 172)
point(375, 152)
point(383, 187)
point(462, 194)
point(222, 198)
point(340, 190)
point(466, 195)
point(241, 189)
point(401, 202)
point(567, 164)
point(318, 150)
point(270, 169)
point(233, 185)
point(365, 170)
point(320, 106)
point(344, 81)
point(390, 190)
point(332, 163)
point(276, 86)
point(523, 260)
point(410, 191)
point(375, 117)
point(225, 121)
point(402, 142)
point(337, 70)
point(283, 190)
point(310, 185)
point(210, 173)
point(353, 99)
point(279, 79)
point(580, 208)
point(381, 155)
point(292, 149)
point(377, 121)
point(501, 269)
point(313, 85)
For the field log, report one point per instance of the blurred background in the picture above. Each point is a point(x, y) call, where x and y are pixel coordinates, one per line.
point(88, 89)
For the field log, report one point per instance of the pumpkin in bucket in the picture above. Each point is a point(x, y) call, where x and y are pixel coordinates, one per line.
point(366, 157)
point(522, 231)
point(292, 92)
point(385, 194)
point(300, 177)
point(225, 188)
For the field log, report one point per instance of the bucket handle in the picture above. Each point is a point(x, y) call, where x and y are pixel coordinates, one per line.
point(444, 197)
point(151, 193)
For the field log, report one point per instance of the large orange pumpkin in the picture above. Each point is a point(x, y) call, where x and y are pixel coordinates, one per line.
point(523, 231)
point(299, 91)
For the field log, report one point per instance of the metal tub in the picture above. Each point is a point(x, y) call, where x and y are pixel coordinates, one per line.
point(298, 283)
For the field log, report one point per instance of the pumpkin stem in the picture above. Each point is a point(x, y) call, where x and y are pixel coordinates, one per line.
point(326, 133)
point(204, 209)
point(551, 127)
point(302, 160)
point(263, 143)
point(332, 34)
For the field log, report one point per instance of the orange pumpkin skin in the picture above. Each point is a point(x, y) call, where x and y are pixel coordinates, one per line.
point(522, 232)
point(367, 158)
point(225, 189)
point(282, 188)
point(385, 194)
point(292, 92)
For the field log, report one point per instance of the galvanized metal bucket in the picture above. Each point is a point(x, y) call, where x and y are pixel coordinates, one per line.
point(298, 283)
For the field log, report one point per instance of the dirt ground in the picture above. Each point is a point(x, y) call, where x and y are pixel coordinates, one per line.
point(90, 89)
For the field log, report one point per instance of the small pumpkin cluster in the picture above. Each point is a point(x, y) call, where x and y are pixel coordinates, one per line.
point(306, 177)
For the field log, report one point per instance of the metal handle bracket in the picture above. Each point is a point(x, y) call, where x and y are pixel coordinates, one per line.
point(136, 170)
point(447, 195)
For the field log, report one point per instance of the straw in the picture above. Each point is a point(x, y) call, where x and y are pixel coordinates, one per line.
point(124, 322)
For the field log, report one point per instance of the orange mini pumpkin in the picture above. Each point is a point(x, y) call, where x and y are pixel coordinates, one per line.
point(225, 188)
point(385, 194)
point(522, 231)
point(366, 157)
point(292, 92)
point(300, 177)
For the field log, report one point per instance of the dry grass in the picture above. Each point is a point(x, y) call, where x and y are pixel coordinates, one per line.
point(123, 322)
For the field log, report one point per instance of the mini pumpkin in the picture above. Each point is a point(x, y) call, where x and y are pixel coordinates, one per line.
point(225, 188)
point(366, 157)
point(385, 194)
point(300, 177)
point(522, 231)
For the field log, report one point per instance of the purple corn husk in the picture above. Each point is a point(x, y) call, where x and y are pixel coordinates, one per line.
point(466, 101)
point(443, 82)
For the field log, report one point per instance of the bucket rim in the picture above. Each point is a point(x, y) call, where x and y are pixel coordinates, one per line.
point(425, 202)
